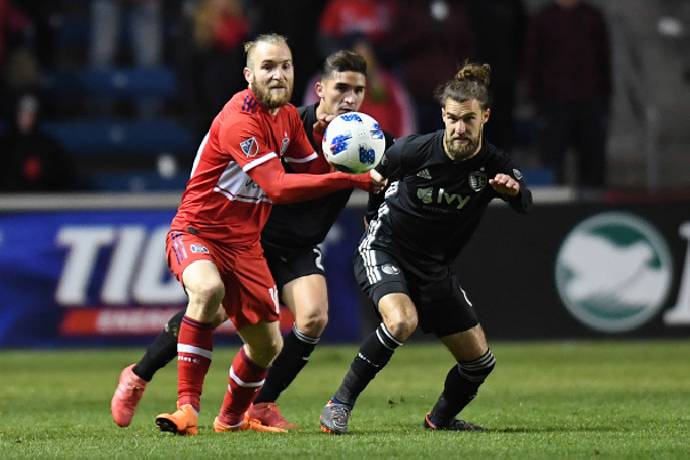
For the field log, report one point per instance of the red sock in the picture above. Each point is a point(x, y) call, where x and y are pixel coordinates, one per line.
point(244, 382)
point(194, 348)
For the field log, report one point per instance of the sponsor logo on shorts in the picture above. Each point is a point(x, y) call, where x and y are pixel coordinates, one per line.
point(198, 249)
point(613, 272)
point(390, 269)
point(273, 292)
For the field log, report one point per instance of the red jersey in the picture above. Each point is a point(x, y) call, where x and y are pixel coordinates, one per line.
point(221, 201)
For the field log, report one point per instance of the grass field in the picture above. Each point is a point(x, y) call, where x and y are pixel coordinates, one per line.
point(544, 400)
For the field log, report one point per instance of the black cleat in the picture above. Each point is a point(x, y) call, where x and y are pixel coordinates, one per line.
point(454, 425)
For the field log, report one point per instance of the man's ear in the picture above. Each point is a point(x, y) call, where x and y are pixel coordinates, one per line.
point(247, 74)
point(487, 115)
point(319, 89)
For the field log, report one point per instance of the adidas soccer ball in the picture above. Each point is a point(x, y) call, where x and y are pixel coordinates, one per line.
point(353, 142)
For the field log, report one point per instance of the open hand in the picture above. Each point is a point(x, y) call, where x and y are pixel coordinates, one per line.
point(320, 126)
point(505, 185)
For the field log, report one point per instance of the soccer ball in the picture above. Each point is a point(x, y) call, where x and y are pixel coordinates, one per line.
point(353, 142)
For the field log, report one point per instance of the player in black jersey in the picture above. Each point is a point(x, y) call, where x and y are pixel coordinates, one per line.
point(290, 241)
point(440, 186)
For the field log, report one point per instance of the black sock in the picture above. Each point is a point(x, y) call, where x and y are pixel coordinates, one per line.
point(461, 387)
point(295, 354)
point(161, 351)
point(373, 355)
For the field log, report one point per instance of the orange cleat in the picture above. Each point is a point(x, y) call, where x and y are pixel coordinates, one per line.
point(269, 414)
point(183, 421)
point(130, 389)
point(247, 424)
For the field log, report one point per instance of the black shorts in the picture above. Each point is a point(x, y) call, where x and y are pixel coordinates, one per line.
point(442, 305)
point(286, 267)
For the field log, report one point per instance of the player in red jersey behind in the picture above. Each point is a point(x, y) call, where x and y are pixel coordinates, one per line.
point(213, 247)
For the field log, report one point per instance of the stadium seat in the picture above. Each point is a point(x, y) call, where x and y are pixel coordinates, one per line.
point(116, 83)
point(136, 181)
point(71, 30)
point(150, 137)
point(539, 176)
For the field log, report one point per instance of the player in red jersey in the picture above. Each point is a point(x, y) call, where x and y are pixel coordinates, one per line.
point(213, 246)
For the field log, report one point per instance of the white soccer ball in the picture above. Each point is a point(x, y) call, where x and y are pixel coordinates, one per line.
point(353, 142)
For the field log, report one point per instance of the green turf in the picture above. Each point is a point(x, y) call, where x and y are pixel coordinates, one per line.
point(544, 400)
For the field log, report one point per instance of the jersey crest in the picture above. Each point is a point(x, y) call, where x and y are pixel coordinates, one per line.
point(284, 145)
point(477, 180)
point(249, 147)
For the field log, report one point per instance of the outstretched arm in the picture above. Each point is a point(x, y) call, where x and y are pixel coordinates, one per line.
point(519, 198)
point(284, 188)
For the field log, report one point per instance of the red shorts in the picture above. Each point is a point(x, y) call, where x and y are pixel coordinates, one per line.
point(251, 294)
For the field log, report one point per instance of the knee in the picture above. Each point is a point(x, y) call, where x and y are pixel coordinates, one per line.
point(401, 326)
point(266, 352)
point(219, 318)
point(312, 323)
point(208, 294)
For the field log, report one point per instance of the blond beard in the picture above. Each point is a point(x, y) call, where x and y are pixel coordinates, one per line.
point(468, 151)
point(263, 95)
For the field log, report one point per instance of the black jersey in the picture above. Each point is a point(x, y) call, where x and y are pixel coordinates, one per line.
point(433, 204)
point(295, 227)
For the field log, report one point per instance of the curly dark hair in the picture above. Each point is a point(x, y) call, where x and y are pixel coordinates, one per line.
point(470, 82)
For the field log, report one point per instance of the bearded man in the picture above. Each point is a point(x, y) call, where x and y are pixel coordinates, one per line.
point(440, 186)
point(213, 246)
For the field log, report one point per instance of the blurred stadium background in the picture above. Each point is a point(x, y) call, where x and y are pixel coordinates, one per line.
point(119, 107)
point(122, 92)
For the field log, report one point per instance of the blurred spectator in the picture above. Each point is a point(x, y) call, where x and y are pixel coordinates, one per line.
point(341, 19)
point(22, 72)
point(144, 29)
point(386, 98)
point(40, 35)
point(569, 77)
point(210, 52)
point(12, 24)
point(499, 28)
point(33, 161)
point(145, 40)
point(432, 38)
